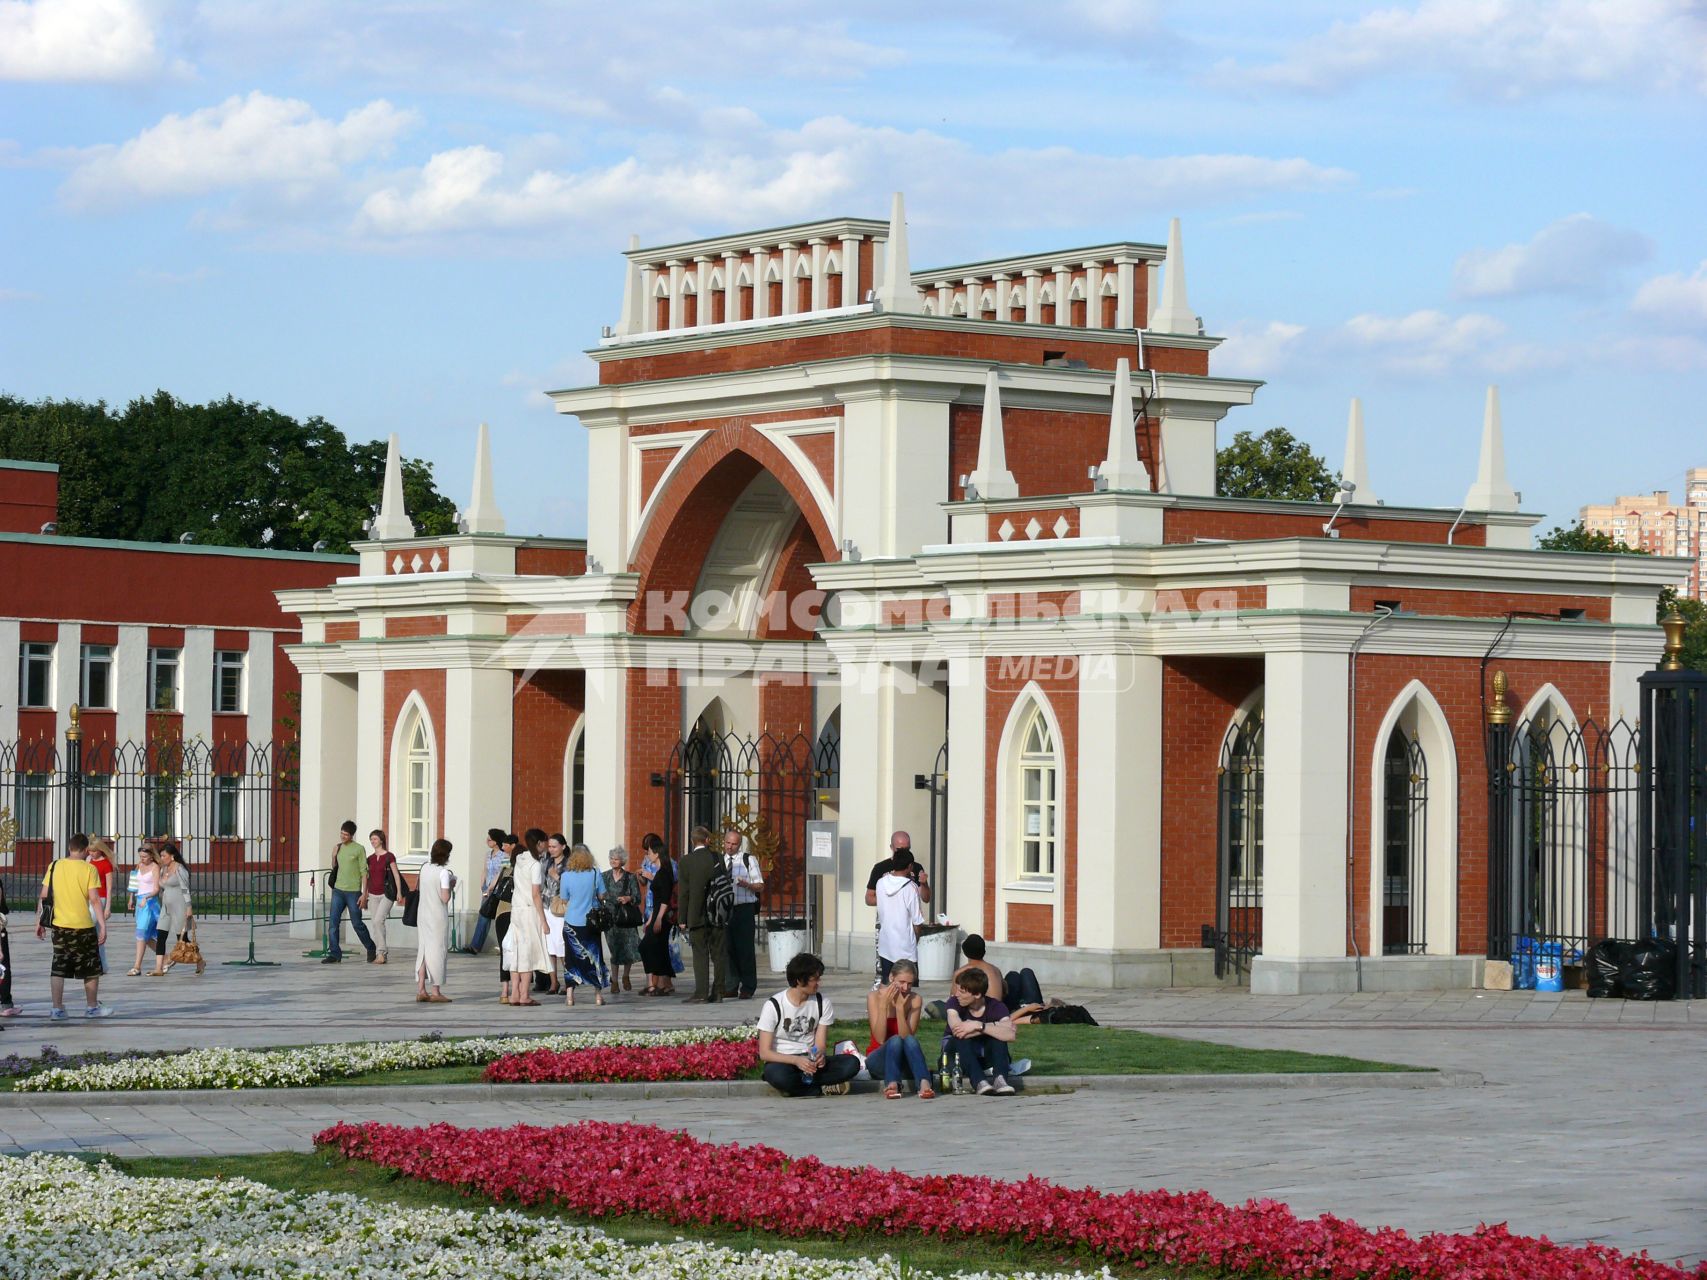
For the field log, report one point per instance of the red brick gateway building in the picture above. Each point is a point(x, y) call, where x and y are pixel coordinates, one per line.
point(941, 550)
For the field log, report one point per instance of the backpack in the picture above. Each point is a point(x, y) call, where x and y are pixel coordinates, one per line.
point(719, 898)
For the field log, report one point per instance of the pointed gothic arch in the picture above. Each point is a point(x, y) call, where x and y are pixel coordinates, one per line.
point(1412, 845)
point(414, 779)
point(575, 783)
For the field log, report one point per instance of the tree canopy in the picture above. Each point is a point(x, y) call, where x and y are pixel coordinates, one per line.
point(1275, 464)
point(1577, 538)
point(224, 472)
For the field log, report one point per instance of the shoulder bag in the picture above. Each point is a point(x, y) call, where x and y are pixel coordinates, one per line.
point(393, 883)
point(499, 892)
point(44, 913)
point(412, 903)
point(626, 915)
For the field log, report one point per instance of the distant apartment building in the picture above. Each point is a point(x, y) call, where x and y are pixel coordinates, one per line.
point(1655, 524)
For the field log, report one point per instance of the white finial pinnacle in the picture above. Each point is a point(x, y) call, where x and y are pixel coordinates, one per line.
point(1354, 476)
point(1173, 312)
point(897, 292)
point(392, 522)
point(992, 479)
point(1122, 469)
point(633, 304)
point(1492, 492)
point(483, 515)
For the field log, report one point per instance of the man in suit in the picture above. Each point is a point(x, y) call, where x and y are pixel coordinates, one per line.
point(695, 875)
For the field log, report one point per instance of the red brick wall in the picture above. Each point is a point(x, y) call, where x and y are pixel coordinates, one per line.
point(561, 562)
point(336, 631)
point(1004, 687)
point(1031, 922)
point(398, 686)
point(1049, 451)
point(820, 451)
point(896, 337)
point(653, 464)
point(781, 615)
point(1478, 604)
point(423, 626)
point(546, 708)
point(654, 728)
point(1028, 605)
point(1187, 525)
point(546, 624)
point(28, 499)
point(1199, 697)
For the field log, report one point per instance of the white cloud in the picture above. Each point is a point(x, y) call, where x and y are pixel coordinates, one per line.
point(1430, 342)
point(1504, 48)
point(254, 141)
point(76, 40)
point(1576, 254)
point(1250, 352)
point(757, 174)
point(1663, 353)
point(1675, 298)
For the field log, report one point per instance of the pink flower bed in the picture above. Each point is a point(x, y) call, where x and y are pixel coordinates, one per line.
point(599, 1169)
point(722, 1060)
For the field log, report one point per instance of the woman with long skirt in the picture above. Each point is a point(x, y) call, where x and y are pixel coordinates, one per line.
point(655, 933)
point(526, 939)
point(432, 925)
point(619, 887)
point(584, 958)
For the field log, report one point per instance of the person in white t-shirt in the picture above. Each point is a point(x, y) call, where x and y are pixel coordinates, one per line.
point(899, 915)
point(793, 1031)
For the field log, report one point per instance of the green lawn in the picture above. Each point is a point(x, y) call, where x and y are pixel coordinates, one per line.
point(313, 1172)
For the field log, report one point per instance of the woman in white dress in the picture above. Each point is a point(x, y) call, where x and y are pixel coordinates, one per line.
point(526, 938)
point(432, 923)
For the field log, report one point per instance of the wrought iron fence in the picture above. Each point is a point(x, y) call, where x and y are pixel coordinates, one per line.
point(231, 807)
point(1404, 847)
point(1236, 934)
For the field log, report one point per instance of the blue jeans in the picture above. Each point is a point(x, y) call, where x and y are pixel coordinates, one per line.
point(345, 900)
point(895, 1058)
point(786, 1078)
point(481, 925)
point(980, 1055)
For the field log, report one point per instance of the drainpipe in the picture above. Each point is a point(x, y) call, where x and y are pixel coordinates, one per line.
point(1383, 613)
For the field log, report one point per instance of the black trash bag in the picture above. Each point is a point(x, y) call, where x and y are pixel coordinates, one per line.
point(1649, 971)
point(1603, 966)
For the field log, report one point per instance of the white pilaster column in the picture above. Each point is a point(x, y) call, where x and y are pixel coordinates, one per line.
point(67, 676)
point(790, 289)
point(731, 289)
point(10, 632)
point(130, 684)
point(1004, 287)
point(1304, 817)
point(820, 281)
point(329, 766)
point(702, 289)
point(372, 747)
point(974, 301)
point(963, 895)
point(606, 719)
point(1188, 453)
point(895, 464)
point(477, 737)
point(1123, 297)
point(1063, 303)
point(944, 298)
point(676, 272)
point(1119, 826)
point(196, 671)
point(761, 289)
point(1033, 307)
point(853, 288)
point(258, 691)
point(649, 309)
point(1093, 295)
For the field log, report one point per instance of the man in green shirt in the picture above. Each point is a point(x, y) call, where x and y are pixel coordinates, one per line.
point(349, 870)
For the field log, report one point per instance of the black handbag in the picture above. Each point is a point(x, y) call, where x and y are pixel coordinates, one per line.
point(393, 882)
point(599, 919)
point(625, 915)
point(412, 906)
point(500, 891)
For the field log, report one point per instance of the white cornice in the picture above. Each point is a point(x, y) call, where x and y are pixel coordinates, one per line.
point(416, 593)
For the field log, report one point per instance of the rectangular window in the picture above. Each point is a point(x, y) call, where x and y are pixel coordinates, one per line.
point(96, 684)
point(225, 805)
point(35, 674)
point(31, 816)
point(97, 804)
point(228, 679)
point(163, 667)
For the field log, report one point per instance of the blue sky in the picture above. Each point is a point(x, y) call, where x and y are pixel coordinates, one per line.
point(408, 217)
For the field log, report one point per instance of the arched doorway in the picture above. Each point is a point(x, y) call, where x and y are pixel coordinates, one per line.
point(1413, 830)
point(1239, 836)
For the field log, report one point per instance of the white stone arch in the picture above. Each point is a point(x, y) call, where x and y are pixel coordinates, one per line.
point(744, 277)
point(773, 272)
point(1545, 698)
point(1077, 292)
point(1109, 287)
point(662, 288)
point(959, 305)
point(1046, 295)
point(1417, 713)
point(930, 306)
point(832, 263)
point(574, 787)
point(987, 302)
point(414, 743)
point(715, 282)
point(1561, 873)
point(1012, 886)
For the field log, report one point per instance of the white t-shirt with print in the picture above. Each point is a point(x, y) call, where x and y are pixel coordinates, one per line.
point(795, 1026)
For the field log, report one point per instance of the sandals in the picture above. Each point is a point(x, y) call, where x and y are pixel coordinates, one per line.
point(926, 1093)
point(516, 1004)
point(134, 973)
point(599, 999)
point(891, 1091)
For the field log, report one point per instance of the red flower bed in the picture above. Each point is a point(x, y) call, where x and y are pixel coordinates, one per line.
point(599, 1169)
point(722, 1060)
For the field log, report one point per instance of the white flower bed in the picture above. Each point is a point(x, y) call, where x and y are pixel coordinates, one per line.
point(320, 1063)
point(168, 1227)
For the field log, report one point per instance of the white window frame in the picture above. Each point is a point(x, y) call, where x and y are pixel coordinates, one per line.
point(224, 659)
point(157, 662)
point(32, 653)
point(87, 661)
point(1037, 844)
point(418, 806)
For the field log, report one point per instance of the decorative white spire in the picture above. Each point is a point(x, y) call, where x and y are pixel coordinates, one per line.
point(1491, 492)
point(992, 479)
point(897, 292)
point(483, 515)
point(392, 522)
point(1122, 469)
point(633, 303)
point(1173, 312)
point(1354, 476)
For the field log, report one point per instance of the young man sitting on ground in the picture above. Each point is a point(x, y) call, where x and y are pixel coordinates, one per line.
point(972, 947)
point(793, 1030)
point(982, 1031)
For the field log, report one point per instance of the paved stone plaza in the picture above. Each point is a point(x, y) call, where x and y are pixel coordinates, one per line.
point(1589, 1126)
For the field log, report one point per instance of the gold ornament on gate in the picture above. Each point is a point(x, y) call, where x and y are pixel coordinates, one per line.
point(8, 831)
point(756, 830)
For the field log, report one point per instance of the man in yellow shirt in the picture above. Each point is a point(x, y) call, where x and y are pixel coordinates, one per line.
point(79, 926)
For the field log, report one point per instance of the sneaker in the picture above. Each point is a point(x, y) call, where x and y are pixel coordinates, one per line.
point(58, 1015)
point(330, 959)
point(836, 1089)
point(984, 1086)
point(98, 1011)
point(1020, 1068)
point(1003, 1088)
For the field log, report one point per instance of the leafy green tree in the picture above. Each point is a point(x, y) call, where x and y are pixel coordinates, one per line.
point(225, 472)
point(1275, 464)
point(1577, 538)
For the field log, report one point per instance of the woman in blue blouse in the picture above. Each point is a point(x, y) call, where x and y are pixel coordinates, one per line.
point(583, 959)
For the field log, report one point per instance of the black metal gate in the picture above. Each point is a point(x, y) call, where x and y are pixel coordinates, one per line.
point(1404, 847)
point(1236, 935)
point(1674, 760)
point(766, 788)
point(231, 808)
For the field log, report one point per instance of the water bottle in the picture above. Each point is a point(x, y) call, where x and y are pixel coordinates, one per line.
point(807, 1077)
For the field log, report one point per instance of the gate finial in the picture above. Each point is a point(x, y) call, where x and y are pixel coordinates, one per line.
point(1498, 711)
point(1674, 625)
